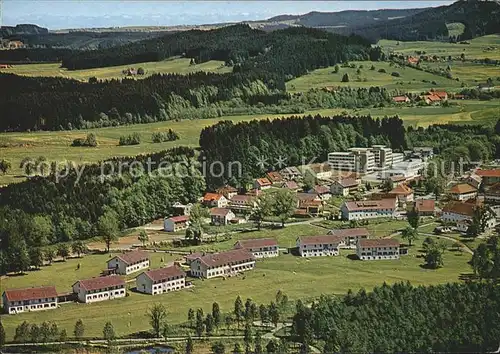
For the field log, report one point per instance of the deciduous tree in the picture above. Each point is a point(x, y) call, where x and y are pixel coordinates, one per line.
point(157, 315)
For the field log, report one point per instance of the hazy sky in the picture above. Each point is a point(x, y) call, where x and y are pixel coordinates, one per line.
point(57, 14)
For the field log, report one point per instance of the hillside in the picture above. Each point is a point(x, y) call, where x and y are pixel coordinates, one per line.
point(22, 29)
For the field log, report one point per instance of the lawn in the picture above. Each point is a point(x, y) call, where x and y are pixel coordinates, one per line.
point(470, 73)
point(174, 65)
point(297, 277)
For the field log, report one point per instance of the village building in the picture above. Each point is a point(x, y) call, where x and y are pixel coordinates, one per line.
point(260, 248)
point(291, 173)
point(192, 256)
point(403, 193)
point(443, 95)
point(473, 180)
point(350, 237)
point(292, 185)
point(369, 209)
point(323, 192)
point(344, 187)
point(489, 177)
point(161, 280)
point(457, 212)
point(356, 159)
point(15, 45)
point(221, 216)
point(215, 200)
point(242, 203)
point(315, 246)
point(397, 180)
point(274, 177)
point(430, 99)
point(425, 207)
point(16, 301)
point(182, 209)
point(410, 169)
point(320, 170)
point(423, 152)
point(100, 289)
point(401, 99)
point(227, 191)
point(463, 192)
point(129, 262)
point(492, 194)
point(222, 264)
point(310, 204)
point(378, 249)
point(176, 223)
point(262, 184)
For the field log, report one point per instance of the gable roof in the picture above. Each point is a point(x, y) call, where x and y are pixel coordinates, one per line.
point(292, 170)
point(400, 98)
point(132, 257)
point(210, 197)
point(455, 207)
point(263, 182)
point(290, 185)
point(219, 211)
point(228, 257)
point(26, 294)
point(397, 178)
point(226, 189)
point(354, 232)
point(164, 273)
point(256, 243)
point(441, 94)
point(180, 218)
point(314, 240)
point(274, 176)
point(321, 189)
point(425, 205)
point(462, 188)
point(101, 282)
point(379, 242)
point(401, 189)
point(348, 182)
point(371, 204)
point(241, 198)
point(306, 196)
point(488, 173)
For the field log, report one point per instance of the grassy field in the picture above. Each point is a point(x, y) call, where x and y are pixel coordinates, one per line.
point(177, 65)
point(410, 79)
point(297, 277)
point(479, 48)
point(470, 73)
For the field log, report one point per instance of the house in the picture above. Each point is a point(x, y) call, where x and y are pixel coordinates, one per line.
point(182, 209)
point(192, 256)
point(176, 223)
point(413, 60)
point(455, 212)
point(310, 203)
point(100, 289)
point(463, 225)
point(369, 209)
point(489, 177)
point(262, 184)
point(344, 187)
point(162, 280)
point(443, 96)
point(401, 99)
point(492, 194)
point(221, 216)
point(227, 191)
point(274, 177)
point(403, 193)
point(260, 248)
point(429, 99)
point(241, 202)
point(350, 237)
point(292, 185)
point(463, 192)
point(129, 262)
point(315, 246)
point(397, 180)
point(291, 173)
point(29, 299)
point(425, 207)
point(320, 170)
point(323, 192)
point(378, 249)
point(474, 180)
point(423, 152)
point(16, 44)
point(214, 200)
point(222, 264)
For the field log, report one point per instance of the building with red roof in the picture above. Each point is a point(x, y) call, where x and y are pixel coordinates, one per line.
point(262, 184)
point(368, 209)
point(99, 289)
point(344, 186)
point(222, 264)
point(316, 246)
point(401, 99)
point(242, 202)
point(463, 191)
point(323, 192)
point(176, 223)
point(403, 193)
point(129, 262)
point(29, 299)
point(351, 236)
point(260, 248)
point(425, 207)
point(378, 249)
point(274, 177)
point(489, 177)
point(214, 200)
point(221, 216)
point(161, 280)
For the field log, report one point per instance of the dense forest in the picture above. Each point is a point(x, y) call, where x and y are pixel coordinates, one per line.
point(403, 318)
point(33, 55)
point(46, 210)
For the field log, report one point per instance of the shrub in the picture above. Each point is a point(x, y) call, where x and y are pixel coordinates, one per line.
point(345, 78)
point(90, 140)
point(160, 137)
point(372, 67)
point(133, 139)
point(382, 71)
point(395, 73)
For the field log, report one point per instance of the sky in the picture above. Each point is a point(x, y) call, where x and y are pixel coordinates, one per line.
point(62, 14)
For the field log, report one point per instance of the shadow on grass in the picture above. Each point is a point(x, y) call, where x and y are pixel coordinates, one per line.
point(468, 277)
point(428, 267)
point(352, 257)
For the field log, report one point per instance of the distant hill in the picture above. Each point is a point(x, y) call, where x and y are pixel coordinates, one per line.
point(24, 29)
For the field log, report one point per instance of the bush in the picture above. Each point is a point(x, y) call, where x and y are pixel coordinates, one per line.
point(395, 73)
point(382, 71)
point(90, 140)
point(160, 137)
point(345, 78)
point(140, 71)
point(372, 67)
point(133, 139)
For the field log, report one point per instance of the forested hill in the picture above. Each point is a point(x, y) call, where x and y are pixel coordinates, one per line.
point(232, 44)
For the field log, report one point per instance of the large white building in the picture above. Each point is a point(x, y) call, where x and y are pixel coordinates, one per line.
point(409, 169)
point(29, 299)
point(100, 289)
point(460, 214)
point(315, 246)
point(356, 159)
point(129, 262)
point(368, 209)
point(260, 248)
point(162, 280)
point(377, 249)
point(222, 264)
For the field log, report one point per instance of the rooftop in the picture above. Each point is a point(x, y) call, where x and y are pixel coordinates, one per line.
point(210, 197)
point(274, 176)
point(256, 243)
point(466, 209)
point(219, 211)
point(488, 173)
point(228, 257)
point(180, 218)
point(379, 242)
point(132, 257)
point(324, 239)
point(348, 182)
point(101, 282)
point(401, 189)
point(425, 205)
point(462, 188)
point(164, 273)
point(26, 294)
point(263, 182)
point(371, 204)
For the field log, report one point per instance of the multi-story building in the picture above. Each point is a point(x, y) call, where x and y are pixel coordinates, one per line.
point(315, 246)
point(214, 200)
point(100, 289)
point(323, 192)
point(176, 223)
point(403, 193)
point(344, 187)
point(489, 177)
point(260, 248)
point(463, 191)
point(262, 184)
point(29, 299)
point(221, 216)
point(242, 202)
point(369, 209)
point(409, 169)
point(377, 249)
point(129, 262)
point(356, 159)
point(383, 156)
point(425, 207)
point(222, 264)
point(350, 237)
point(162, 280)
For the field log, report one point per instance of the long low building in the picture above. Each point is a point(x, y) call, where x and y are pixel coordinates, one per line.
point(222, 264)
point(368, 209)
point(378, 249)
point(29, 299)
point(129, 262)
point(316, 246)
point(162, 280)
point(99, 289)
point(350, 236)
point(260, 248)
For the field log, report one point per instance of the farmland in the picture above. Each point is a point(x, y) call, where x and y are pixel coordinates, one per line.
point(291, 274)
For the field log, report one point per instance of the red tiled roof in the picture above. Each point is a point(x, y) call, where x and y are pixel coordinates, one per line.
point(132, 257)
point(306, 197)
point(210, 197)
point(274, 176)
point(348, 182)
point(226, 189)
point(256, 243)
point(101, 282)
point(180, 218)
point(164, 273)
point(441, 94)
point(460, 208)
point(371, 204)
point(242, 198)
point(263, 182)
point(193, 256)
point(314, 240)
point(321, 189)
point(26, 294)
point(219, 211)
point(380, 242)
point(433, 98)
point(228, 257)
point(425, 205)
point(401, 190)
point(400, 99)
point(488, 173)
point(290, 185)
point(462, 188)
point(359, 231)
